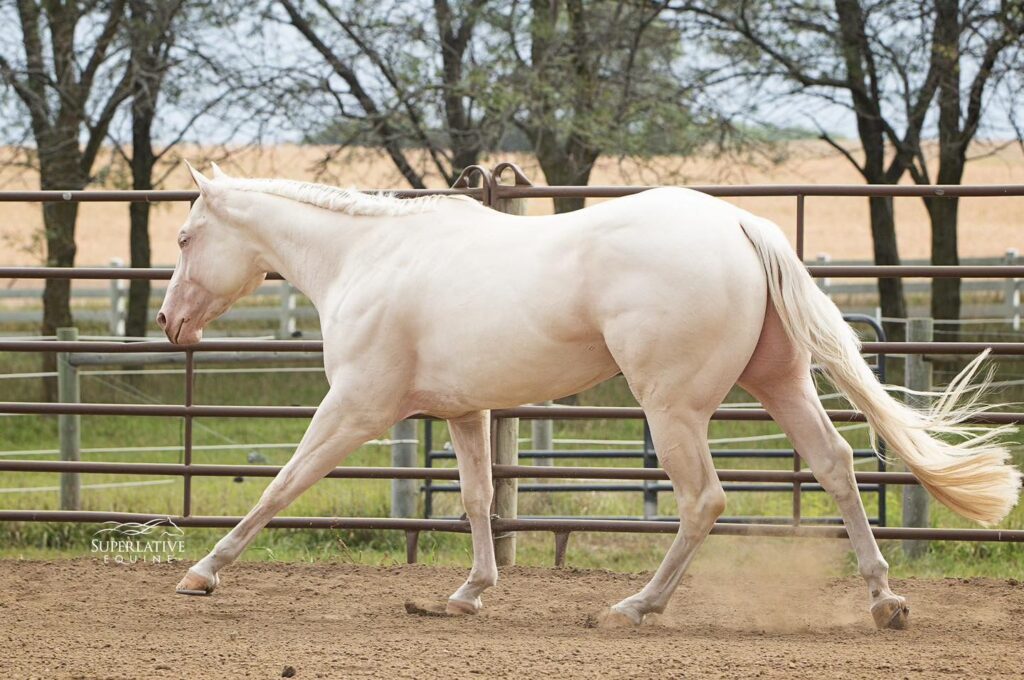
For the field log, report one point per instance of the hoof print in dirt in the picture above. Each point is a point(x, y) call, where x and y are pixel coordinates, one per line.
point(419, 608)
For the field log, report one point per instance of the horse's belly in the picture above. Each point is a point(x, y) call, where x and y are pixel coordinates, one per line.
point(506, 377)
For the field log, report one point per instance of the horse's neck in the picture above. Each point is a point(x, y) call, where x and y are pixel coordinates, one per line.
point(311, 246)
point(307, 246)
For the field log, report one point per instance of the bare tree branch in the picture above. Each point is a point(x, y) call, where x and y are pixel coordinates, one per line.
point(388, 135)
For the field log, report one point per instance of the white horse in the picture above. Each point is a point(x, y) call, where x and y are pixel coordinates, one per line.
point(444, 307)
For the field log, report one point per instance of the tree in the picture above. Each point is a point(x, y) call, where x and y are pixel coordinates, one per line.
point(598, 76)
point(152, 34)
point(450, 81)
point(172, 71)
point(841, 55)
point(987, 38)
point(887, 61)
point(399, 73)
point(70, 80)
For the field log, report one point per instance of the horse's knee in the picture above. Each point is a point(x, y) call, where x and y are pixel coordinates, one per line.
point(477, 504)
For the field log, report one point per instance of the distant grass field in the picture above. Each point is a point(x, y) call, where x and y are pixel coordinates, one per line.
point(838, 226)
point(371, 498)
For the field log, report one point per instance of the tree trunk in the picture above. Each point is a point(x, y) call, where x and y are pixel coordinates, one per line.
point(137, 322)
point(143, 160)
point(890, 291)
point(945, 302)
point(58, 171)
point(563, 167)
point(945, 292)
point(860, 77)
point(569, 204)
point(59, 223)
point(558, 171)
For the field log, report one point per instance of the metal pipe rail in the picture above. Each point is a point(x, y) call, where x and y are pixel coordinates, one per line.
point(638, 453)
point(498, 472)
point(522, 412)
point(499, 526)
point(752, 190)
point(996, 348)
point(500, 191)
point(817, 271)
point(173, 196)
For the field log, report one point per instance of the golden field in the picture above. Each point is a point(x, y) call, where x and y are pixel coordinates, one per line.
point(838, 226)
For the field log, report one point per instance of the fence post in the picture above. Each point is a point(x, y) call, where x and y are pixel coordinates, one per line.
point(69, 426)
point(286, 326)
point(506, 444)
point(918, 377)
point(1012, 294)
point(542, 437)
point(404, 446)
point(825, 283)
point(118, 301)
point(506, 499)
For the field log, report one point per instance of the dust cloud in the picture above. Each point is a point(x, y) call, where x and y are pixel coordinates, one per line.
point(773, 585)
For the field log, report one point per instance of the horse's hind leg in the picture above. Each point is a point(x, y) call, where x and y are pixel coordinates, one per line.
point(779, 377)
point(680, 438)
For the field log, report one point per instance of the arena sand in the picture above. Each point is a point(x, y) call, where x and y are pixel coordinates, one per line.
point(762, 609)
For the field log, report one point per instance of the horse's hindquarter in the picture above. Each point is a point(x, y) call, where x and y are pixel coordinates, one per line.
point(683, 318)
point(521, 310)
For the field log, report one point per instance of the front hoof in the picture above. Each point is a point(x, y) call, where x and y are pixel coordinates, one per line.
point(462, 607)
point(892, 612)
point(615, 618)
point(196, 584)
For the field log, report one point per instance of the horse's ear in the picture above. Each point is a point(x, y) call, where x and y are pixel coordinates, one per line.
point(199, 178)
point(217, 172)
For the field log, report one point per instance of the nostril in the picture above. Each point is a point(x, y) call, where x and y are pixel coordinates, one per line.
point(161, 319)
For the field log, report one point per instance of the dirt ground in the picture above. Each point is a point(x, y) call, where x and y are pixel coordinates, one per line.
point(84, 618)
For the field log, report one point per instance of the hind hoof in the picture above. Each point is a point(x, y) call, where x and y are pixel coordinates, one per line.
point(196, 584)
point(892, 612)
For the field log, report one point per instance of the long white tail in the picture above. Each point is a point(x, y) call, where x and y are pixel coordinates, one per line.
point(963, 467)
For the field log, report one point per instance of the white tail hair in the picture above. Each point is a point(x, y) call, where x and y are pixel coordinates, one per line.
point(966, 469)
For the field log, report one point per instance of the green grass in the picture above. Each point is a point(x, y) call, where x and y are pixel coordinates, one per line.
point(223, 496)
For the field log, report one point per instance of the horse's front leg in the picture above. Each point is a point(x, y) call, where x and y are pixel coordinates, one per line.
point(342, 423)
point(472, 441)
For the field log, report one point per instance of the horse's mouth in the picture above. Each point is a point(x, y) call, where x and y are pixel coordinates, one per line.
point(177, 331)
point(184, 333)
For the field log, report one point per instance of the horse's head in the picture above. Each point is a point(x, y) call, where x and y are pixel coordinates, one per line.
point(218, 264)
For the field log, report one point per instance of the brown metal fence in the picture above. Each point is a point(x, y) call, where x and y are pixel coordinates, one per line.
point(490, 193)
